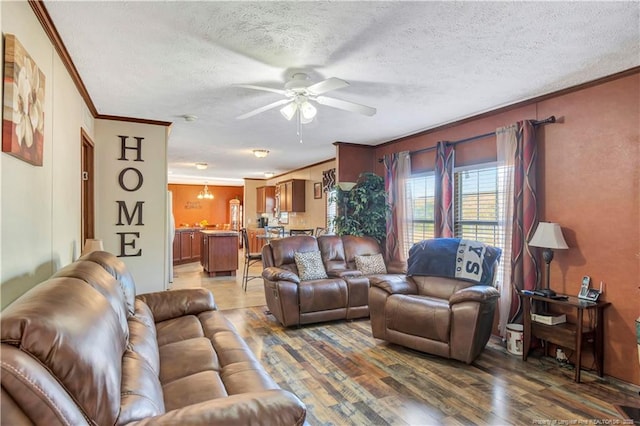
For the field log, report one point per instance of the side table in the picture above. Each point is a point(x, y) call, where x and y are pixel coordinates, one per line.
point(568, 335)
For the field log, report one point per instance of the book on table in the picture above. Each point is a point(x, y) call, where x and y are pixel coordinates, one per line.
point(549, 318)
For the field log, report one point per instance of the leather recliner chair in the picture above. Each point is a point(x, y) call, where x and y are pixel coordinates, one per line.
point(447, 317)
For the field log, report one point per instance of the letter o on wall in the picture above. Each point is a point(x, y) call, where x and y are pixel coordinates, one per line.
point(130, 182)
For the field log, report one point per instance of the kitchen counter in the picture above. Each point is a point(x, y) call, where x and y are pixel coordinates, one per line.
point(219, 252)
point(216, 233)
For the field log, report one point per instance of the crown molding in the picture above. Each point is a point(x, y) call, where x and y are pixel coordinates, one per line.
point(43, 16)
point(133, 120)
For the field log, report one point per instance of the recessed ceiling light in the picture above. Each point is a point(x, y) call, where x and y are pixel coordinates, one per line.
point(260, 153)
point(201, 166)
point(189, 117)
point(269, 174)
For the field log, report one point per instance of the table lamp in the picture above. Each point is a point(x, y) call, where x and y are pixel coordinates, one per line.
point(548, 236)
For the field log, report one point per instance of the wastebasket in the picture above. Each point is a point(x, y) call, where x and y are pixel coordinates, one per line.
point(514, 338)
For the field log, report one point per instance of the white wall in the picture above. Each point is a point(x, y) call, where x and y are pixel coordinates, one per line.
point(40, 216)
point(40, 222)
point(249, 204)
point(149, 268)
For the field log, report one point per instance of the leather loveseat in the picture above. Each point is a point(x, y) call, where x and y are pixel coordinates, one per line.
point(342, 294)
point(444, 316)
point(81, 348)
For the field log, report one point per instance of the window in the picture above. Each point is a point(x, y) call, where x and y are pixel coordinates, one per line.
point(476, 204)
point(421, 189)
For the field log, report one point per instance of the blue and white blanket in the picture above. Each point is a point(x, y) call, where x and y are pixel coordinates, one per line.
point(454, 258)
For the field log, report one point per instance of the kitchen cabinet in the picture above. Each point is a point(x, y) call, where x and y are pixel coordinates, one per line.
point(266, 199)
point(255, 242)
point(292, 195)
point(186, 245)
point(219, 253)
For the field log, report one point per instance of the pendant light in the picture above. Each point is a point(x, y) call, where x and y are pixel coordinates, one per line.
point(205, 194)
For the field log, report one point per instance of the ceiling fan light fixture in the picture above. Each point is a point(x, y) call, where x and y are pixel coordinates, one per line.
point(308, 111)
point(289, 110)
point(260, 153)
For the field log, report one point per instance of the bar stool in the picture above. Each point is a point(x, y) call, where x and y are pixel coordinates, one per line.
point(249, 260)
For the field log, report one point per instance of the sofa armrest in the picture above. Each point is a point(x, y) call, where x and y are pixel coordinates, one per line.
point(397, 267)
point(176, 303)
point(277, 407)
point(394, 284)
point(476, 293)
point(274, 274)
point(344, 273)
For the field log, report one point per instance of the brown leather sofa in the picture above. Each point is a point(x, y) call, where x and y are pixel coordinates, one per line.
point(342, 295)
point(447, 317)
point(81, 348)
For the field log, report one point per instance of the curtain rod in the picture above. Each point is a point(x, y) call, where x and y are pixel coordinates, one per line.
point(548, 120)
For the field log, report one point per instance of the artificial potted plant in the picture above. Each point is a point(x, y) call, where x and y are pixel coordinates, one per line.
point(363, 209)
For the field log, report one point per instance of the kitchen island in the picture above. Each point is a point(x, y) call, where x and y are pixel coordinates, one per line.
point(219, 254)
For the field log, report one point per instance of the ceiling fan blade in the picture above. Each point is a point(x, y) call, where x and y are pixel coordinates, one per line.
point(346, 105)
point(264, 88)
point(263, 109)
point(327, 85)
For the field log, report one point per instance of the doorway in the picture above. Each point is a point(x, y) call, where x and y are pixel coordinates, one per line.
point(88, 182)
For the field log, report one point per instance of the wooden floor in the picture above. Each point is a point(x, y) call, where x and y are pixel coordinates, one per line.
point(346, 377)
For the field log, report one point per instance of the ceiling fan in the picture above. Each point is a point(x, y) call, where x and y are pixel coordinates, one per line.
point(300, 92)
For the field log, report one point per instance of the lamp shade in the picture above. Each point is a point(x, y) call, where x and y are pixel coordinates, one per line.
point(548, 235)
point(346, 186)
point(289, 110)
point(91, 244)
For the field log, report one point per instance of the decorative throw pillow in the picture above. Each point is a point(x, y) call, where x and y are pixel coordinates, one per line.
point(373, 264)
point(310, 266)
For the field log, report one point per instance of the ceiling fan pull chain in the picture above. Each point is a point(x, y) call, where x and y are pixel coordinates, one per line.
point(299, 125)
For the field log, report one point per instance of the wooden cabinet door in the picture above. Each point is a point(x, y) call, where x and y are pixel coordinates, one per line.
point(196, 247)
point(176, 248)
point(185, 245)
point(297, 195)
point(204, 258)
point(288, 196)
point(282, 197)
point(260, 199)
point(269, 199)
point(255, 243)
point(265, 199)
point(292, 195)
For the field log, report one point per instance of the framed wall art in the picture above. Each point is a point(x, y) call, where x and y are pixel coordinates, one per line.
point(23, 104)
point(317, 190)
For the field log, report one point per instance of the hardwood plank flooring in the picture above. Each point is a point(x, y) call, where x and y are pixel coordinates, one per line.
point(346, 377)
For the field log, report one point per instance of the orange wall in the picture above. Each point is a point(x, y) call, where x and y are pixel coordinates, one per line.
point(188, 210)
point(589, 182)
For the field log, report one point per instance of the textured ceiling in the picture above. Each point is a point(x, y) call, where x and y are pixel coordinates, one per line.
point(421, 64)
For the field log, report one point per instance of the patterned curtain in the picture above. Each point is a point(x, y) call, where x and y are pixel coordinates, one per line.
point(524, 266)
point(399, 231)
point(328, 179)
point(443, 215)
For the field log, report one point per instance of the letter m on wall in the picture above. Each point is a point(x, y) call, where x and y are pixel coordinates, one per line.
point(124, 211)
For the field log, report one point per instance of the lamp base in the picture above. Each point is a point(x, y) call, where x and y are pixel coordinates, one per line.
point(545, 292)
